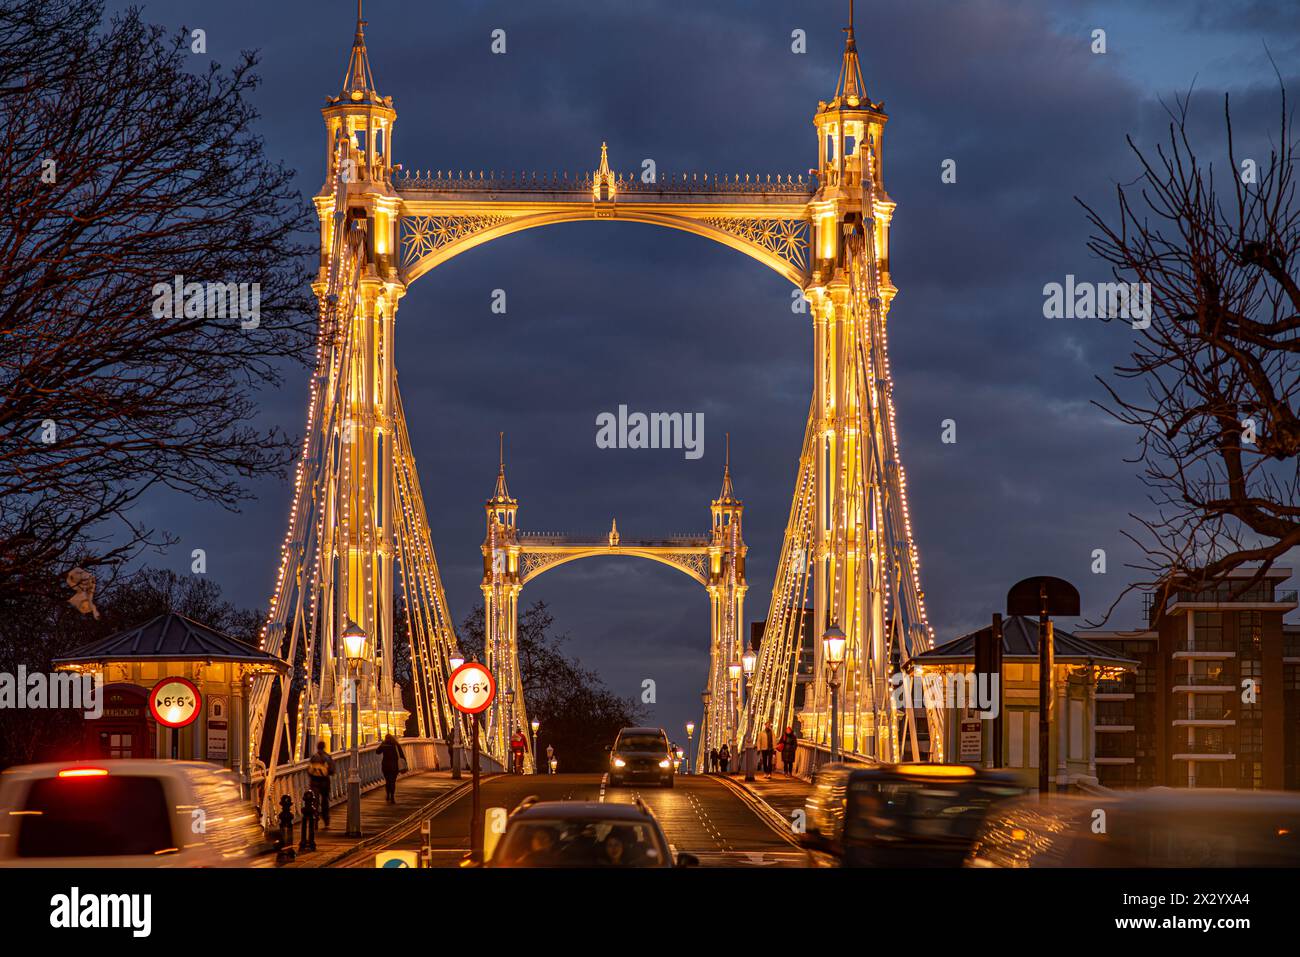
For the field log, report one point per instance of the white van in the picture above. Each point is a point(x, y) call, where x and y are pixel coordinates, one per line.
point(126, 813)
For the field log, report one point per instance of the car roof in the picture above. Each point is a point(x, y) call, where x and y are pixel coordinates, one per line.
point(583, 809)
point(921, 770)
point(644, 731)
point(125, 766)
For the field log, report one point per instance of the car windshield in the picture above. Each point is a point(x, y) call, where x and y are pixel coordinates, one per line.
point(641, 742)
point(540, 842)
point(894, 809)
point(84, 817)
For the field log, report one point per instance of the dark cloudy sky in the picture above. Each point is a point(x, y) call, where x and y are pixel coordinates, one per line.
point(602, 315)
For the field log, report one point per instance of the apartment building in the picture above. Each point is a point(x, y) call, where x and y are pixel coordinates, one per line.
point(1215, 700)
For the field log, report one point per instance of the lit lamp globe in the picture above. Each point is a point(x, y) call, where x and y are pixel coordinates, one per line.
point(534, 724)
point(748, 661)
point(455, 659)
point(833, 642)
point(354, 643)
point(735, 669)
point(690, 728)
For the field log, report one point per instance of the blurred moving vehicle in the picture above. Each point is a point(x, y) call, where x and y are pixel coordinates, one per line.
point(1160, 827)
point(126, 813)
point(641, 753)
point(899, 815)
point(584, 834)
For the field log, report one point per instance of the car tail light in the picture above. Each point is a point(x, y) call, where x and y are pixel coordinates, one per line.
point(83, 773)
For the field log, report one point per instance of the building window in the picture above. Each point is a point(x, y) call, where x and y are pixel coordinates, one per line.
point(1208, 633)
point(1250, 631)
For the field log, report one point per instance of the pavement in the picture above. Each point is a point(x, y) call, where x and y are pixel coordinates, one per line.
point(783, 794)
point(418, 795)
point(700, 815)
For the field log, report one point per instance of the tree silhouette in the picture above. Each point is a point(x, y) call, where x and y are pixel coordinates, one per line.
point(126, 162)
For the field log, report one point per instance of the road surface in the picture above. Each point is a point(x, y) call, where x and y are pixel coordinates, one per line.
point(699, 815)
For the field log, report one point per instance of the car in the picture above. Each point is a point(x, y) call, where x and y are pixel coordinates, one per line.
point(641, 754)
point(126, 813)
point(899, 815)
point(584, 834)
point(1158, 827)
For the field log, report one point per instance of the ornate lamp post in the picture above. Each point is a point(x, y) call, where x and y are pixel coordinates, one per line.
point(455, 660)
point(709, 731)
point(833, 642)
point(355, 641)
point(690, 746)
point(748, 661)
point(734, 672)
point(537, 764)
point(508, 696)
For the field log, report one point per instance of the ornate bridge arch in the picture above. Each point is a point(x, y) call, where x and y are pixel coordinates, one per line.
point(512, 558)
point(442, 215)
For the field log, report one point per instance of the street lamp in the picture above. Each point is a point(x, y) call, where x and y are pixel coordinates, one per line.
point(690, 746)
point(734, 672)
point(508, 696)
point(833, 642)
point(455, 660)
point(537, 764)
point(747, 663)
point(355, 641)
point(708, 732)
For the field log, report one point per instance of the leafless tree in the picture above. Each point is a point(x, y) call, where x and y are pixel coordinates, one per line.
point(126, 161)
point(1212, 385)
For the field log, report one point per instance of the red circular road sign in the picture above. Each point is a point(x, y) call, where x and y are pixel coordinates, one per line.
point(471, 688)
point(175, 702)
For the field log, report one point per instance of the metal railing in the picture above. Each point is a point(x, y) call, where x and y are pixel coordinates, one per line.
point(422, 754)
point(460, 181)
point(810, 756)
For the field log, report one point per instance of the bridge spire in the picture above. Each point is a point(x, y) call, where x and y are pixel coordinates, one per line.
point(850, 90)
point(501, 494)
point(728, 494)
point(359, 79)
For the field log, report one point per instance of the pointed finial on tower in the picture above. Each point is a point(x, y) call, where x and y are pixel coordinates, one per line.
point(501, 493)
point(728, 493)
point(359, 81)
point(850, 90)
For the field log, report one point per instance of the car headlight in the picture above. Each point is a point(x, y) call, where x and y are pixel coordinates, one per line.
point(619, 763)
point(665, 763)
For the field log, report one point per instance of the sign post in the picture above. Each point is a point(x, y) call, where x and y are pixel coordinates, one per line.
point(1044, 596)
point(174, 703)
point(471, 689)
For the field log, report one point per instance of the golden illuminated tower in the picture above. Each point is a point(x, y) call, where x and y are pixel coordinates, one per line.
point(358, 532)
point(850, 569)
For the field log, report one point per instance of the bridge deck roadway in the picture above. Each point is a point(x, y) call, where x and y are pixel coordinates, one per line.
point(700, 816)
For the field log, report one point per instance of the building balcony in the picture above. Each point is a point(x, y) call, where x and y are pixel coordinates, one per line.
point(1101, 728)
point(1252, 600)
point(1114, 696)
point(1103, 759)
point(1210, 651)
point(1203, 683)
point(1206, 756)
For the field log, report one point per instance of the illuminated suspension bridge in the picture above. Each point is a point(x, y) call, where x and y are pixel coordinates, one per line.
point(359, 539)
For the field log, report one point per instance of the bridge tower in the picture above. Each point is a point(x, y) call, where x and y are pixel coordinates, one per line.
point(727, 587)
point(501, 585)
point(358, 529)
point(850, 567)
